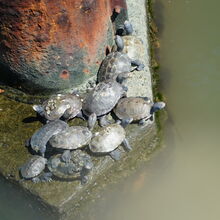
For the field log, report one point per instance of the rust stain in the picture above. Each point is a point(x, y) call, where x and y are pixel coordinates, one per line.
point(86, 71)
point(2, 91)
point(65, 74)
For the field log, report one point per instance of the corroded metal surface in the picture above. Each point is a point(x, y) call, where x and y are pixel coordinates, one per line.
point(54, 44)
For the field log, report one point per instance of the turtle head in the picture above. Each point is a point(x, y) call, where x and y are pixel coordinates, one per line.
point(128, 27)
point(157, 106)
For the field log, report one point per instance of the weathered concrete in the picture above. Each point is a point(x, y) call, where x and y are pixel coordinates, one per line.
point(70, 198)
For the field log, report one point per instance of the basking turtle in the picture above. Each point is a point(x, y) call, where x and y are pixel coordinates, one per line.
point(33, 169)
point(40, 138)
point(101, 100)
point(108, 139)
point(136, 109)
point(70, 139)
point(118, 65)
point(67, 106)
point(78, 167)
point(133, 46)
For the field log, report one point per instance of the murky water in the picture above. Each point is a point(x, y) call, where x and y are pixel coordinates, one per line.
point(182, 180)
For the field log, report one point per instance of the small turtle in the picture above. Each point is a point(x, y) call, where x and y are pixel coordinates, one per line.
point(40, 138)
point(33, 169)
point(133, 46)
point(78, 167)
point(117, 65)
point(108, 139)
point(72, 138)
point(67, 106)
point(136, 109)
point(102, 100)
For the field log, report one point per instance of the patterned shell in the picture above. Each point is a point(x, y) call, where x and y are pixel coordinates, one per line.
point(56, 105)
point(133, 47)
point(112, 65)
point(132, 107)
point(71, 169)
point(72, 138)
point(103, 98)
point(33, 167)
point(107, 139)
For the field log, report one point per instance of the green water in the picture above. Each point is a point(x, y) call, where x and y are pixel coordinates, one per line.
point(181, 181)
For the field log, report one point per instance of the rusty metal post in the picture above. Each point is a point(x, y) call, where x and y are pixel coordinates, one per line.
point(48, 46)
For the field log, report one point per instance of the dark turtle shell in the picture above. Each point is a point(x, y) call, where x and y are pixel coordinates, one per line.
point(69, 170)
point(114, 64)
point(133, 107)
point(33, 167)
point(103, 98)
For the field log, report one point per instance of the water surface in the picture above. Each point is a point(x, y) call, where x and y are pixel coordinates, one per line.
point(182, 180)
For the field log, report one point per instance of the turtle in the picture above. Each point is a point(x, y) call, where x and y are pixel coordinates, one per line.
point(101, 100)
point(78, 167)
point(66, 106)
point(72, 138)
point(136, 109)
point(39, 139)
point(133, 45)
point(33, 170)
point(117, 65)
point(107, 140)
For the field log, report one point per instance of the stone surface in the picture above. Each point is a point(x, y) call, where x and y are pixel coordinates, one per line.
point(70, 198)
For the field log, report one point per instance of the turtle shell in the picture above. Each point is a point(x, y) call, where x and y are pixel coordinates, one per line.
point(113, 64)
point(72, 138)
point(133, 47)
point(133, 107)
point(40, 138)
point(33, 167)
point(56, 105)
point(103, 98)
point(69, 170)
point(107, 139)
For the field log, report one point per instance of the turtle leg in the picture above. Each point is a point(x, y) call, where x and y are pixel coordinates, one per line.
point(103, 121)
point(80, 115)
point(123, 76)
point(144, 120)
point(67, 114)
point(85, 171)
point(66, 156)
point(35, 180)
point(115, 154)
point(138, 65)
point(126, 145)
point(42, 150)
point(46, 177)
point(126, 121)
point(92, 120)
point(39, 109)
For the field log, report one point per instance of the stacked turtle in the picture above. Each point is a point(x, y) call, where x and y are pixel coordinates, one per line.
point(74, 146)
